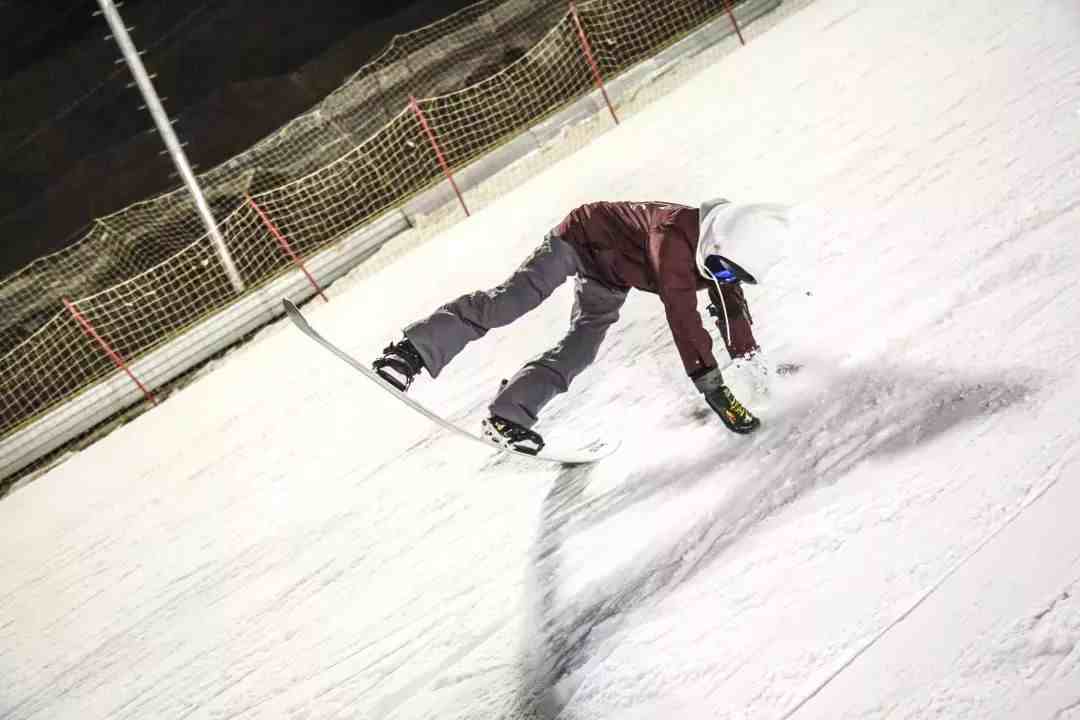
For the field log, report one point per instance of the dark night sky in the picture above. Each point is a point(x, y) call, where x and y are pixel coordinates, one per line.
point(33, 30)
point(232, 71)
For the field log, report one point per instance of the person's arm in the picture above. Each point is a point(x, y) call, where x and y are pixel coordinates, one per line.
point(676, 275)
point(742, 342)
point(672, 257)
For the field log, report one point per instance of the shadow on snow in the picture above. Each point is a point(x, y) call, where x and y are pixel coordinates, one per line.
point(852, 417)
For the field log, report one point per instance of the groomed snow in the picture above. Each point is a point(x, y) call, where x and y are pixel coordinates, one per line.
point(900, 540)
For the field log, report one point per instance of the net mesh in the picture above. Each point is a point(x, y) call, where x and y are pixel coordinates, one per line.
point(148, 272)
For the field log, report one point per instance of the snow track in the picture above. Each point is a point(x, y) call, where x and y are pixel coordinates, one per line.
point(899, 540)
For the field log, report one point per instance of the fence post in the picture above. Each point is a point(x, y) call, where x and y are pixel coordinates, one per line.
point(438, 152)
point(113, 355)
point(285, 245)
point(734, 22)
point(587, 49)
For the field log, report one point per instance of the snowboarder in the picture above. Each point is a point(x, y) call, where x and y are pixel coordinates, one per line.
point(610, 247)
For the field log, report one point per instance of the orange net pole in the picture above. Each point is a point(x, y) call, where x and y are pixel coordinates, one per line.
point(587, 48)
point(285, 246)
point(113, 355)
point(438, 151)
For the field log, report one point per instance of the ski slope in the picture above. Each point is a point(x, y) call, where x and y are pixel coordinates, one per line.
point(282, 540)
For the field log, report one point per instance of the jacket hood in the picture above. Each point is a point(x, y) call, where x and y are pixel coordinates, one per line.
point(708, 244)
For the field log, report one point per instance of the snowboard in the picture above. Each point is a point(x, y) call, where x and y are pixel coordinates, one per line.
point(589, 453)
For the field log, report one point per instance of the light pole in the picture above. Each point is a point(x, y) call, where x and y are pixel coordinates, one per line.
point(164, 126)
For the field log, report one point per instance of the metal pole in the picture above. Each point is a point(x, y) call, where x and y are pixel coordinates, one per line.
point(164, 126)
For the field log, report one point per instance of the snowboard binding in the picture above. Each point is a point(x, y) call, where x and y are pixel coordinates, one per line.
point(511, 436)
point(399, 364)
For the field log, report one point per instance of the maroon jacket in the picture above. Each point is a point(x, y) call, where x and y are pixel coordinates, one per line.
point(652, 246)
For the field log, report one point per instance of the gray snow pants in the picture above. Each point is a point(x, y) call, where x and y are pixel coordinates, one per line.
point(441, 336)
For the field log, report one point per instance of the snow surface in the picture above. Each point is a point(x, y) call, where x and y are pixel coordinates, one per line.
point(900, 540)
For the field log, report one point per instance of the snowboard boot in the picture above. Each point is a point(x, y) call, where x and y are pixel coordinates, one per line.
point(735, 417)
point(512, 436)
point(399, 364)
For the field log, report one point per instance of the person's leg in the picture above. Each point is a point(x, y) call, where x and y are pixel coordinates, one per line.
point(596, 307)
point(442, 335)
